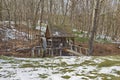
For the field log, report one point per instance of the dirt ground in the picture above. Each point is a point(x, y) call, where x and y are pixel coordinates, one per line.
point(99, 50)
point(104, 49)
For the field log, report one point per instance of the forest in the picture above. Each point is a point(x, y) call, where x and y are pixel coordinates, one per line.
point(59, 39)
point(90, 20)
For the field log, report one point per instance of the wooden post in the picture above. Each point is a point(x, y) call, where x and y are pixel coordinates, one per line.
point(52, 47)
point(60, 52)
point(86, 51)
point(71, 47)
point(73, 43)
point(52, 51)
point(33, 53)
point(80, 50)
point(48, 50)
point(76, 48)
point(39, 52)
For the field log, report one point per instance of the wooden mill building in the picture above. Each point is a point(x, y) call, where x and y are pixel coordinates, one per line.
point(58, 38)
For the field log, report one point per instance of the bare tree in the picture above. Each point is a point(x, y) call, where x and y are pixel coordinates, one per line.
point(41, 16)
point(7, 8)
point(94, 26)
point(36, 13)
point(0, 10)
point(65, 11)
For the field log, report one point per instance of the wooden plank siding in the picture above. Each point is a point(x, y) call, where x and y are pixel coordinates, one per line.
point(54, 41)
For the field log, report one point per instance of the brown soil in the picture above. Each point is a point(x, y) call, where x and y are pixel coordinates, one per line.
point(99, 50)
point(104, 49)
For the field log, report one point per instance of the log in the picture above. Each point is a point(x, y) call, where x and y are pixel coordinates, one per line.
point(74, 52)
point(23, 50)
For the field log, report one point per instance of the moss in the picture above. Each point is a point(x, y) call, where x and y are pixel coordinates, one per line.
point(92, 77)
point(47, 66)
point(88, 63)
point(63, 64)
point(6, 58)
point(70, 70)
point(28, 65)
point(26, 60)
point(55, 72)
point(66, 70)
point(78, 33)
point(36, 62)
point(108, 77)
point(13, 62)
point(43, 75)
point(9, 59)
point(116, 57)
point(51, 66)
point(81, 39)
point(118, 72)
point(65, 77)
point(0, 67)
point(59, 58)
point(4, 62)
point(78, 74)
point(75, 65)
point(108, 63)
point(84, 78)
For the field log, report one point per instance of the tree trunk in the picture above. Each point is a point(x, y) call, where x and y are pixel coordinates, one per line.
point(94, 26)
point(1, 10)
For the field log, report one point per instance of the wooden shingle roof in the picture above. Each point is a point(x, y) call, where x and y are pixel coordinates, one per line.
point(55, 31)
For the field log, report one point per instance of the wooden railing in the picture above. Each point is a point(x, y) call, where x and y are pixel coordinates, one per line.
point(50, 50)
point(79, 49)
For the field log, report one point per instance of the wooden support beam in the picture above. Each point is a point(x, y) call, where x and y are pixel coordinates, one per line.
point(60, 52)
point(80, 50)
point(33, 52)
point(39, 52)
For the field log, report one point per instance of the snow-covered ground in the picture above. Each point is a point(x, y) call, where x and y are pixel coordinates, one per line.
point(12, 33)
point(98, 37)
point(60, 68)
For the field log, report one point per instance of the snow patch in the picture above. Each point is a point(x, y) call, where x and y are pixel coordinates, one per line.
point(12, 71)
point(110, 70)
point(74, 30)
point(56, 34)
point(12, 33)
point(43, 28)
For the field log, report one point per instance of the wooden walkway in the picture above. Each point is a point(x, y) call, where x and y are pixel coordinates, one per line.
point(73, 50)
point(78, 50)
